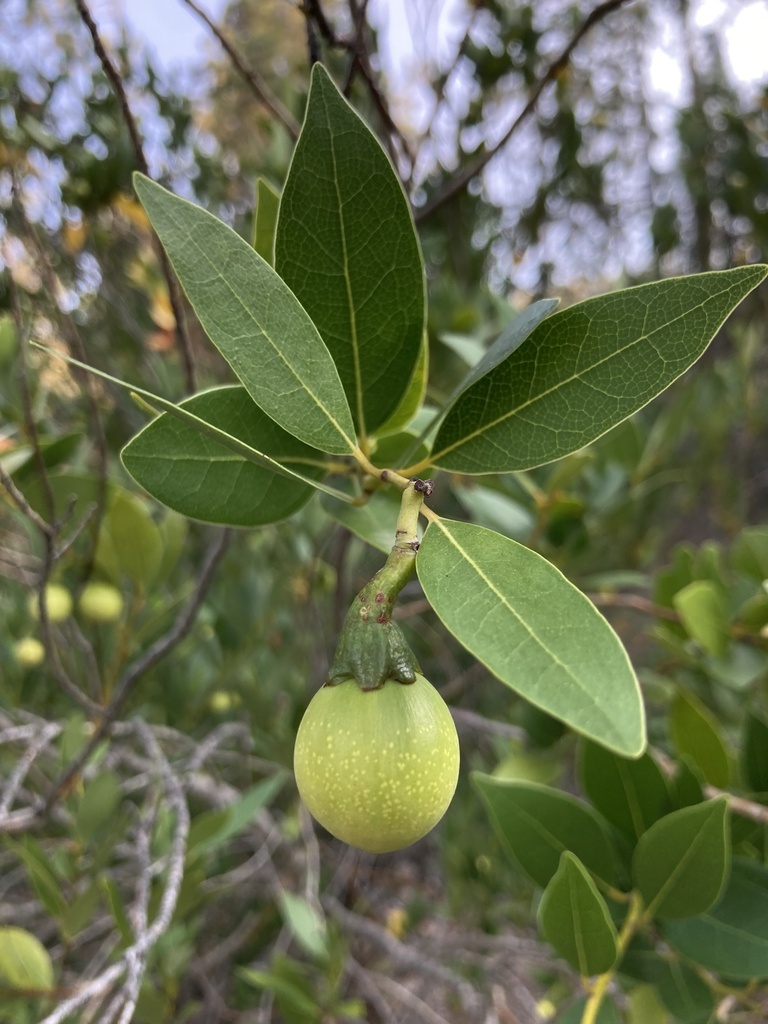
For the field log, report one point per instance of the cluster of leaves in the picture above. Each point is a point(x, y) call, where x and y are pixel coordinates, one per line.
point(313, 342)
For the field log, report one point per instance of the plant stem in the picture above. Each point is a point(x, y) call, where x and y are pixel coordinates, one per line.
point(631, 921)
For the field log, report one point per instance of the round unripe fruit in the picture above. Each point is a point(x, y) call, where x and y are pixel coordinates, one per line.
point(377, 768)
point(29, 652)
point(101, 602)
point(58, 603)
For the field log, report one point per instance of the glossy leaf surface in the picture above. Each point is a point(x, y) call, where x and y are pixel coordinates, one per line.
point(347, 247)
point(254, 320)
point(537, 824)
point(631, 794)
point(732, 937)
point(575, 921)
point(585, 369)
point(682, 862)
point(533, 629)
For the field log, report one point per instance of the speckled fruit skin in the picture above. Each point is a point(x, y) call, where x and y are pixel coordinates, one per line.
point(377, 768)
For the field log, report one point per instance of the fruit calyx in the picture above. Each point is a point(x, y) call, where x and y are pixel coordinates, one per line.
point(372, 648)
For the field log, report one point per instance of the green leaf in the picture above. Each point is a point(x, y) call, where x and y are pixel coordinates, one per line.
point(24, 960)
point(45, 884)
point(694, 732)
point(375, 522)
point(607, 1014)
point(644, 1006)
point(135, 538)
point(702, 611)
point(522, 618)
point(254, 320)
point(100, 800)
point(585, 369)
point(749, 554)
point(412, 399)
point(630, 794)
point(234, 444)
point(537, 824)
point(192, 473)
point(495, 510)
point(347, 247)
point(731, 938)
point(392, 450)
point(265, 220)
point(755, 753)
point(306, 924)
point(574, 919)
point(687, 997)
point(681, 863)
point(215, 828)
point(510, 339)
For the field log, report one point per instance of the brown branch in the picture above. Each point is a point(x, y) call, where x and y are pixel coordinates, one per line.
point(174, 292)
point(140, 666)
point(460, 182)
point(256, 83)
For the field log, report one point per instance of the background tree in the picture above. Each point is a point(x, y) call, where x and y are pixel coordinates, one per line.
point(153, 841)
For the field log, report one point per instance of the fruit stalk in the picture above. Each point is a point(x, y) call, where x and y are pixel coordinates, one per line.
point(372, 648)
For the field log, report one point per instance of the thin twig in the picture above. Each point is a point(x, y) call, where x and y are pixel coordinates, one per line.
point(23, 505)
point(257, 84)
point(174, 292)
point(142, 665)
point(460, 182)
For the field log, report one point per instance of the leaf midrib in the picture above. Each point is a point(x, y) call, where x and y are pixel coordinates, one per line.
point(525, 625)
point(347, 283)
point(569, 380)
point(219, 276)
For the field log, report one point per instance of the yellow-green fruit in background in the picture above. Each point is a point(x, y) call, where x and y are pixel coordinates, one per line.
point(101, 602)
point(377, 768)
point(29, 652)
point(58, 601)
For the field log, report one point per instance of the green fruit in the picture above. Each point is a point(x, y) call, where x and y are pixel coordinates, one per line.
point(377, 768)
point(58, 603)
point(101, 602)
point(29, 652)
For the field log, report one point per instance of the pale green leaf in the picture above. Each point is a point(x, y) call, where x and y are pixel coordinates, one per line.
point(585, 369)
point(306, 924)
point(374, 522)
point(703, 613)
point(24, 960)
point(265, 220)
point(695, 733)
point(532, 628)
point(254, 320)
point(347, 247)
point(135, 539)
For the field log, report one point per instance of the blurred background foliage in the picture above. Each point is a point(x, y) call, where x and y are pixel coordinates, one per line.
point(610, 182)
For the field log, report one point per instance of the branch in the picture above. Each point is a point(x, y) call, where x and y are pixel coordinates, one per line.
point(257, 84)
point(460, 182)
point(142, 665)
point(134, 959)
point(174, 292)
